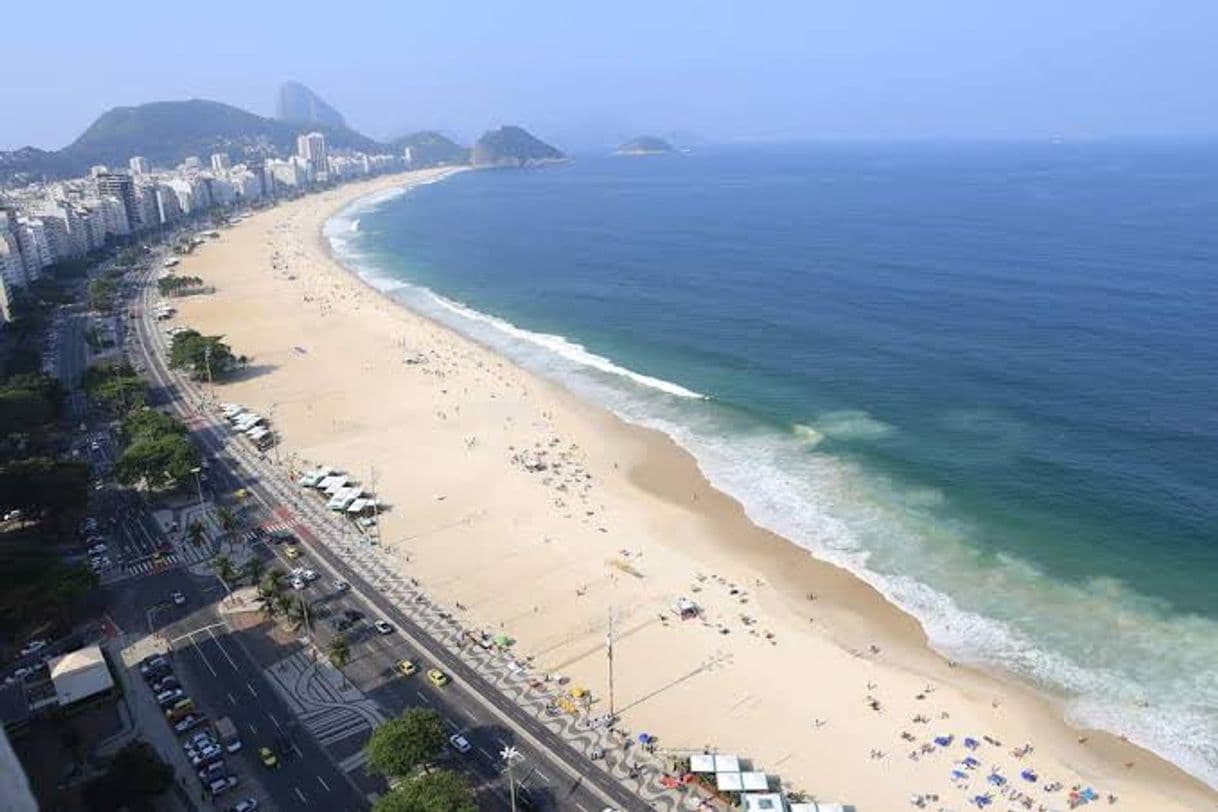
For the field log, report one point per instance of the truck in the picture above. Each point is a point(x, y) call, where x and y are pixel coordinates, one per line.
point(226, 732)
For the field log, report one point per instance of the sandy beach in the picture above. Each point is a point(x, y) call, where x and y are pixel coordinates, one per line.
point(534, 514)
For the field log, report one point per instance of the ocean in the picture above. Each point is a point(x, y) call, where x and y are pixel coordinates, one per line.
point(983, 377)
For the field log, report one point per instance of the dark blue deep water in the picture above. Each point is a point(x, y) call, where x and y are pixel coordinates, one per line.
point(984, 377)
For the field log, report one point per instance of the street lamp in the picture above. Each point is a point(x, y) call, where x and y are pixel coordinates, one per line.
point(509, 755)
point(198, 483)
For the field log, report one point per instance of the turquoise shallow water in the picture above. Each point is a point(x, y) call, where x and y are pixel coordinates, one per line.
point(981, 376)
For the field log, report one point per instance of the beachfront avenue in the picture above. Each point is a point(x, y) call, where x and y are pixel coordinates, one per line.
point(328, 740)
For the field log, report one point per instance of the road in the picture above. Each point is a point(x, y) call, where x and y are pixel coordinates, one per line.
point(556, 775)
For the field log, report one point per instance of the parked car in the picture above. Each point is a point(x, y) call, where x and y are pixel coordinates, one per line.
point(186, 723)
point(460, 743)
point(383, 626)
point(166, 684)
point(178, 598)
point(212, 771)
point(247, 805)
point(170, 695)
point(341, 586)
point(221, 785)
point(32, 647)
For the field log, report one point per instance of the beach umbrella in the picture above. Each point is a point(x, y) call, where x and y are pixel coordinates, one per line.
point(502, 640)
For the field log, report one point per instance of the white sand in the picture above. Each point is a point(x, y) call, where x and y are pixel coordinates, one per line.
point(621, 517)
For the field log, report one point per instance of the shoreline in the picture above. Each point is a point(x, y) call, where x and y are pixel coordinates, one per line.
point(654, 488)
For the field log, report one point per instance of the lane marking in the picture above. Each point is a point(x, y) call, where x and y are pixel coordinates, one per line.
point(224, 651)
point(253, 729)
point(300, 795)
point(230, 698)
point(276, 721)
point(251, 687)
point(422, 697)
point(203, 657)
point(323, 783)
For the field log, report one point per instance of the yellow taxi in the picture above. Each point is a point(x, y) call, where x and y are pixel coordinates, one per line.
point(406, 667)
point(268, 758)
point(292, 551)
point(438, 678)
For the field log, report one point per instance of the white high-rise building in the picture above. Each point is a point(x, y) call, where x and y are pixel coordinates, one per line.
point(311, 147)
point(220, 161)
point(139, 165)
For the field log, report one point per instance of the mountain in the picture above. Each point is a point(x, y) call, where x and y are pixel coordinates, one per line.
point(430, 148)
point(645, 145)
point(512, 146)
point(167, 132)
point(298, 104)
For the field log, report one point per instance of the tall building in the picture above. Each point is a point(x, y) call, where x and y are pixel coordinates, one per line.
point(139, 165)
point(220, 161)
point(120, 186)
point(311, 147)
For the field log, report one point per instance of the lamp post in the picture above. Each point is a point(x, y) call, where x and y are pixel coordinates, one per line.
point(198, 484)
point(509, 755)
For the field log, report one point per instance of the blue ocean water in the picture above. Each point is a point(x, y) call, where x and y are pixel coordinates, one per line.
point(982, 376)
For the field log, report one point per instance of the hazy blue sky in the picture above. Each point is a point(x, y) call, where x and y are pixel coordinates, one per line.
point(573, 71)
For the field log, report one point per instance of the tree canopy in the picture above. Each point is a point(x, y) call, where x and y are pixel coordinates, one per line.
point(199, 353)
point(173, 285)
point(41, 484)
point(102, 293)
point(438, 791)
point(116, 387)
point(29, 402)
point(135, 776)
point(158, 450)
point(400, 746)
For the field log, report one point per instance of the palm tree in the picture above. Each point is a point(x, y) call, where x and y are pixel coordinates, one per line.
point(339, 651)
point(195, 532)
point(292, 610)
point(228, 523)
point(271, 584)
point(225, 571)
point(253, 569)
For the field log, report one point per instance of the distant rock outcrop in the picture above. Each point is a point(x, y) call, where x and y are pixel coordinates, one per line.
point(513, 146)
point(298, 104)
point(430, 148)
point(645, 145)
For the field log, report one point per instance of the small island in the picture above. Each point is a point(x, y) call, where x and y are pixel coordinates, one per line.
point(645, 145)
point(513, 146)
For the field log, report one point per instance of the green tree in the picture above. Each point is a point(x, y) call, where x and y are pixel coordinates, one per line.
point(222, 565)
point(293, 611)
point(339, 651)
point(116, 387)
point(194, 532)
point(135, 776)
point(202, 355)
point(29, 402)
point(253, 569)
point(41, 485)
point(400, 746)
point(228, 523)
point(438, 791)
point(102, 293)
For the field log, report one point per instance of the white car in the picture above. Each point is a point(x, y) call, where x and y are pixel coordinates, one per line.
point(178, 598)
point(98, 549)
point(383, 626)
point(309, 575)
point(33, 646)
point(298, 583)
point(460, 743)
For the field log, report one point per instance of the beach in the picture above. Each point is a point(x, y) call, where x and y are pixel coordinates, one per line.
point(539, 516)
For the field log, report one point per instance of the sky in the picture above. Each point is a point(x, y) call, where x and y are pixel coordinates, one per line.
point(578, 72)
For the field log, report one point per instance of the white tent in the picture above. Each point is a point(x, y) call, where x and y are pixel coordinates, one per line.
point(701, 763)
point(727, 764)
point(763, 802)
point(728, 782)
point(754, 781)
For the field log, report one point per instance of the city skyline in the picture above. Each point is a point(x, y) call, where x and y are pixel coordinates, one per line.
point(1032, 70)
